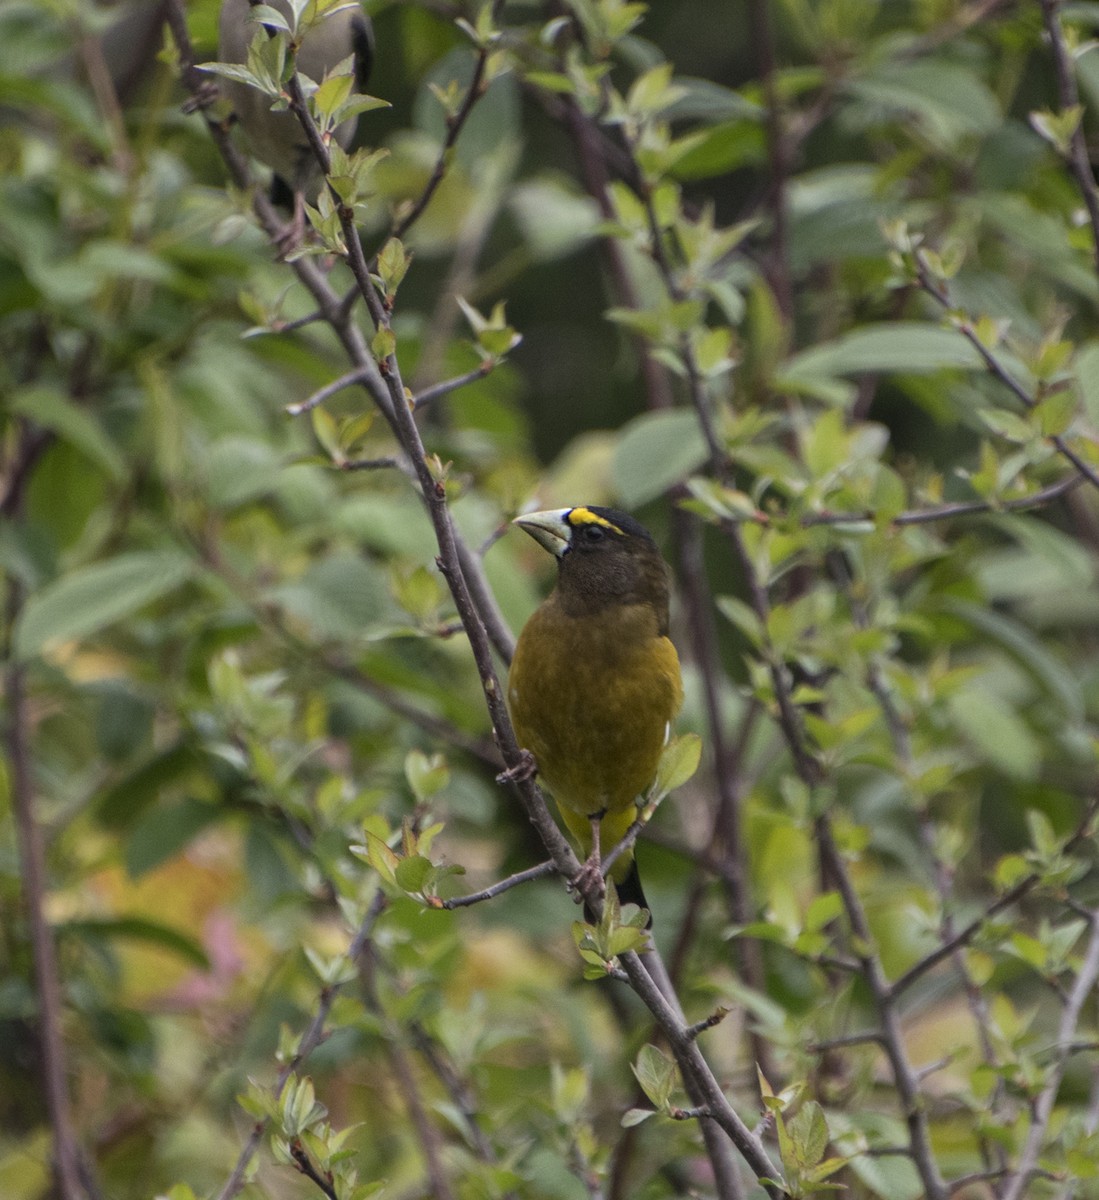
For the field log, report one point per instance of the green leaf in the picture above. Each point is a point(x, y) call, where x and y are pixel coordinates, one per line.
point(412, 872)
point(164, 830)
point(1055, 414)
point(52, 409)
point(908, 347)
point(91, 598)
point(949, 101)
point(809, 1133)
point(383, 343)
point(425, 775)
point(142, 930)
point(381, 857)
point(743, 616)
point(554, 220)
point(997, 731)
point(1057, 679)
point(656, 1074)
point(655, 452)
point(393, 263)
point(678, 763)
point(327, 433)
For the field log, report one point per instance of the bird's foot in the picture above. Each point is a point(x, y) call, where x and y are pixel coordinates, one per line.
point(524, 769)
point(205, 96)
point(589, 878)
point(290, 239)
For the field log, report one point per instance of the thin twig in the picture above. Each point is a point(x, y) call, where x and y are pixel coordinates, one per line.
point(777, 155)
point(274, 620)
point(1079, 157)
point(305, 1165)
point(992, 1154)
point(994, 366)
point(700, 1027)
point(541, 871)
point(385, 463)
point(459, 1091)
point(407, 1082)
point(1042, 1111)
point(451, 385)
point(455, 124)
point(958, 508)
point(310, 1040)
point(727, 831)
point(697, 1073)
point(67, 1157)
point(329, 390)
point(869, 1038)
point(1012, 896)
point(904, 1077)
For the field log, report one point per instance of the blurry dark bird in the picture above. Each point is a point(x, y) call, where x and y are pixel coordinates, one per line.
point(277, 138)
point(595, 682)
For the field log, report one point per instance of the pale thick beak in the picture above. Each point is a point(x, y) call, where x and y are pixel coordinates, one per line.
point(550, 529)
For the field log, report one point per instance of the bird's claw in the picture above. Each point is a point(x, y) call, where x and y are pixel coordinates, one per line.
point(523, 770)
point(205, 95)
point(289, 240)
point(588, 878)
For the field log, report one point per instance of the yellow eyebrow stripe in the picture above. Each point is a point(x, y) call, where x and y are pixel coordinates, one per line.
point(585, 516)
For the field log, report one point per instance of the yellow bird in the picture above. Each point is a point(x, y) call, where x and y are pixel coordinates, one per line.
point(595, 682)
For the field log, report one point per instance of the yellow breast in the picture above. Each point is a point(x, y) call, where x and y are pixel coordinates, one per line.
point(592, 698)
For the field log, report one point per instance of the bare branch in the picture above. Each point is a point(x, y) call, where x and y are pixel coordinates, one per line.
point(32, 856)
point(1086, 979)
point(305, 1165)
point(455, 125)
point(1079, 158)
point(777, 156)
point(904, 1077)
point(451, 385)
point(697, 1074)
point(938, 292)
point(1012, 896)
point(959, 508)
point(361, 375)
point(541, 871)
point(310, 1040)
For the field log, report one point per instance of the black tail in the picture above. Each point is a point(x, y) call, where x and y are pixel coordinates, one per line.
point(629, 892)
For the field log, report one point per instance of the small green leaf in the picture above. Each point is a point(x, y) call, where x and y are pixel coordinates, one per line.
point(677, 764)
point(383, 343)
point(393, 263)
point(1055, 414)
point(656, 1074)
point(381, 857)
point(327, 433)
point(425, 775)
point(412, 872)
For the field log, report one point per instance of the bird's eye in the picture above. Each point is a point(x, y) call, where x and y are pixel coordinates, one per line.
point(593, 533)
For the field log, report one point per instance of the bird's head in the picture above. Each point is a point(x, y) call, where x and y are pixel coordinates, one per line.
point(604, 557)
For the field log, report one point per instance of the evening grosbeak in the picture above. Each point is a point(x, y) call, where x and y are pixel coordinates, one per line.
point(595, 683)
point(276, 137)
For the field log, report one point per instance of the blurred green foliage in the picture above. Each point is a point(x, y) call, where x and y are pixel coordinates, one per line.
point(251, 706)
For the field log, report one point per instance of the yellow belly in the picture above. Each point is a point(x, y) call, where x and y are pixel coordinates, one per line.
point(594, 706)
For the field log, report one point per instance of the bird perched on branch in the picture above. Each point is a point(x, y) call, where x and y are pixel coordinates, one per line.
point(595, 682)
point(276, 138)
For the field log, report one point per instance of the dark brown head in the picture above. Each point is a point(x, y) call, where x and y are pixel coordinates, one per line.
point(604, 557)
